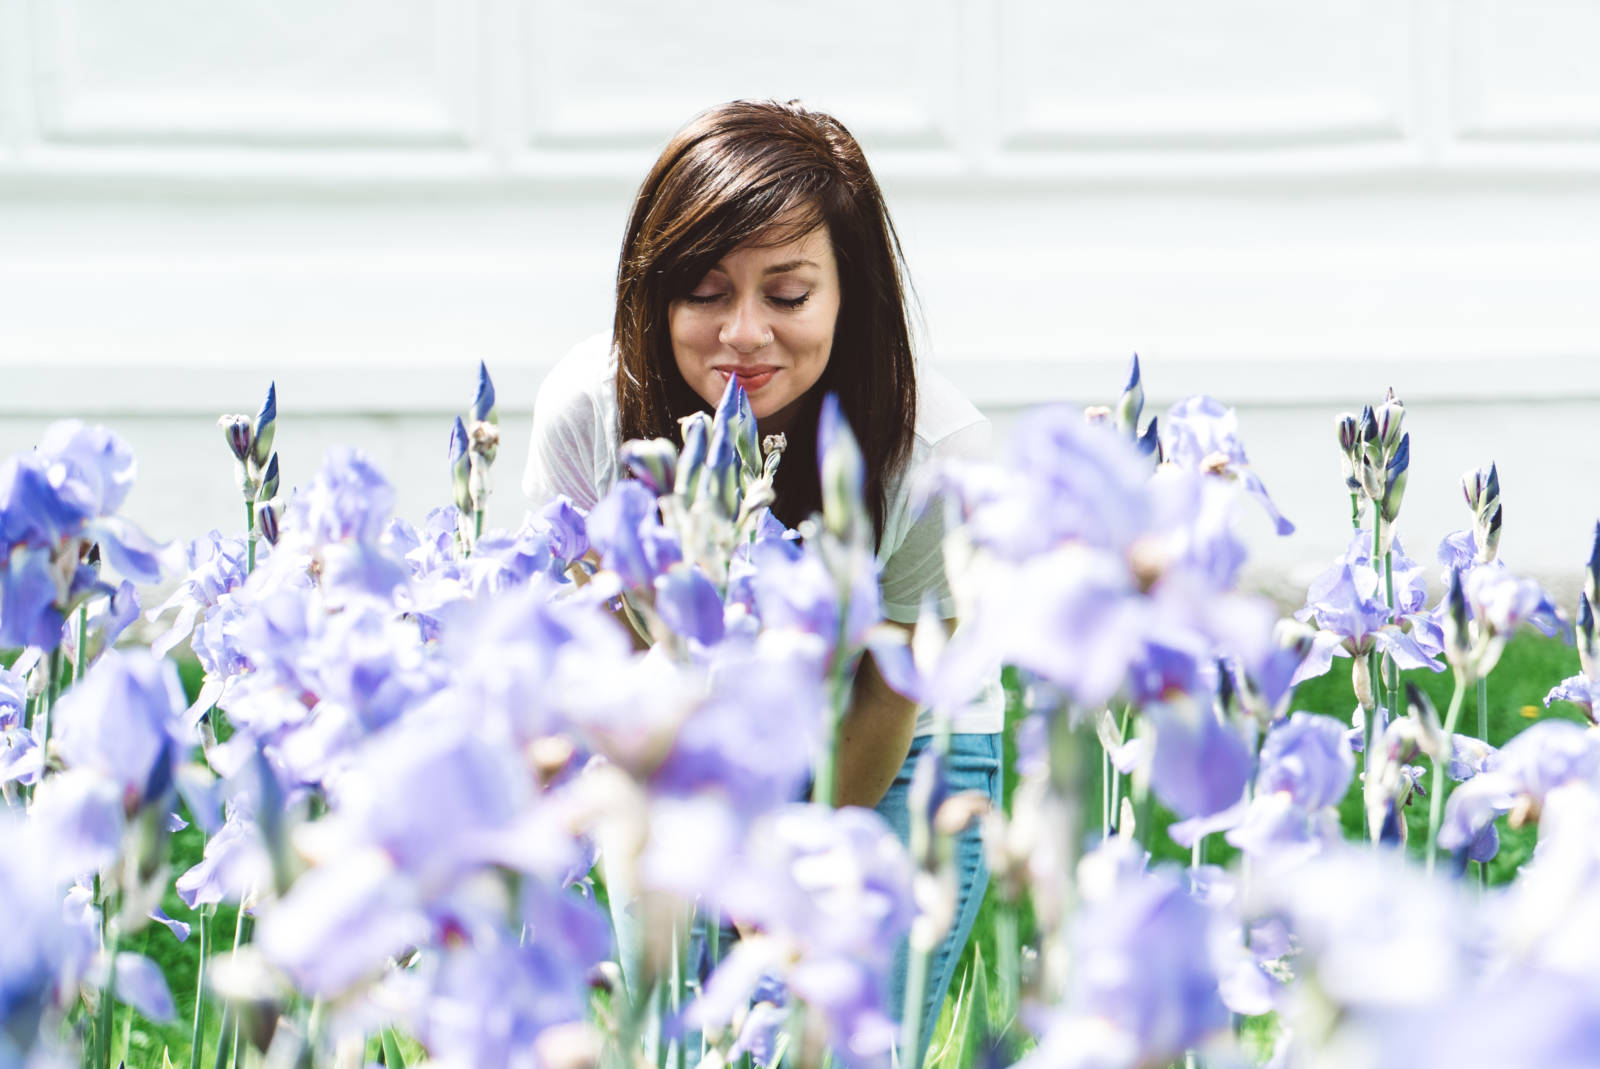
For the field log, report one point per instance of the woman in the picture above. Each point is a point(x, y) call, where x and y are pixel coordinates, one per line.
point(759, 246)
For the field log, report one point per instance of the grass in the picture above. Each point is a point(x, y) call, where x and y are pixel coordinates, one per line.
point(1530, 667)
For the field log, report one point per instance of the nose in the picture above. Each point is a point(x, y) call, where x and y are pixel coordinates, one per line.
point(745, 330)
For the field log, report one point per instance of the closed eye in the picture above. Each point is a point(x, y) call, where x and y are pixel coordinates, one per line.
point(791, 302)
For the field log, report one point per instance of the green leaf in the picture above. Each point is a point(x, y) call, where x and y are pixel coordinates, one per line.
point(166, 1059)
point(978, 1033)
point(391, 1050)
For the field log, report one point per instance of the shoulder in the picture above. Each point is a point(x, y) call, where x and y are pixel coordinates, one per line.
point(585, 374)
point(573, 447)
point(948, 425)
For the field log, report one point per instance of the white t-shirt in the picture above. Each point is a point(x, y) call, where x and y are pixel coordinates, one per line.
point(574, 452)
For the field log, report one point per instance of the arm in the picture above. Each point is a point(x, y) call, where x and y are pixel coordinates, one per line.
point(874, 737)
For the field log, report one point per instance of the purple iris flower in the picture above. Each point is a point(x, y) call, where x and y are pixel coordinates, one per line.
point(688, 604)
point(348, 498)
point(1307, 758)
point(496, 1001)
point(13, 699)
point(1063, 480)
point(830, 892)
point(32, 510)
point(1073, 617)
point(439, 802)
point(1193, 519)
point(1521, 775)
point(568, 533)
point(1200, 765)
point(81, 814)
point(140, 984)
point(1351, 616)
point(29, 613)
point(1580, 690)
point(1304, 770)
point(1502, 601)
point(216, 565)
point(1145, 981)
point(341, 922)
point(235, 860)
point(37, 949)
point(123, 721)
point(1202, 434)
point(1458, 549)
point(90, 467)
point(834, 599)
point(54, 503)
point(627, 533)
point(754, 735)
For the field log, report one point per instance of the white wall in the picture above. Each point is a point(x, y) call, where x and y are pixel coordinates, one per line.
point(1290, 204)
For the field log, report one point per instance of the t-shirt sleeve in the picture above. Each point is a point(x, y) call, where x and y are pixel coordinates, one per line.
point(915, 568)
point(566, 430)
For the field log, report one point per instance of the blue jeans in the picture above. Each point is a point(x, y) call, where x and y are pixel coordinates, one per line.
point(973, 764)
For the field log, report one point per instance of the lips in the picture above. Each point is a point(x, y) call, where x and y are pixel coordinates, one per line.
point(751, 378)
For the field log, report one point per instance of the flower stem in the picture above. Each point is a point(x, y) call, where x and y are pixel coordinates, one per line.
point(1355, 511)
point(107, 1001)
point(83, 641)
point(1107, 773)
point(206, 914)
point(1436, 801)
point(839, 686)
point(1392, 686)
point(48, 705)
point(911, 1038)
point(249, 537)
point(1008, 963)
point(1116, 777)
point(680, 977)
point(1483, 709)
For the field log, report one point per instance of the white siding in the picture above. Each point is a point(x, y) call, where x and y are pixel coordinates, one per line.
point(1290, 204)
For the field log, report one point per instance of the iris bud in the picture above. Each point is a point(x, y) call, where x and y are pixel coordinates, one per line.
point(477, 481)
point(652, 462)
point(1394, 479)
point(719, 477)
point(1591, 579)
point(1131, 404)
point(1349, 429)
point(844, 475)
point(269, 480)
point(1149, 443)
point(696, 439)
point(1457, 635)
point(1387, 420)
point(1432, 737)
point(237, 431)
point(265, 429)
point(483, 402)
point(460, 467)
point(1481, 488)
point(267, 521)
point(483, 439)
point(773, 445)
point(1588, 649)
point(1368, 426)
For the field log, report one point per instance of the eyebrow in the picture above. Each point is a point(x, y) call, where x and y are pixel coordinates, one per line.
point(783, 268)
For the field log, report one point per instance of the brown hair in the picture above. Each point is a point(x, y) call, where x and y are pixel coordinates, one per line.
point(725, 180)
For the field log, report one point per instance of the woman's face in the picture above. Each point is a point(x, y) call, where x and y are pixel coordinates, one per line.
point(765, 314)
